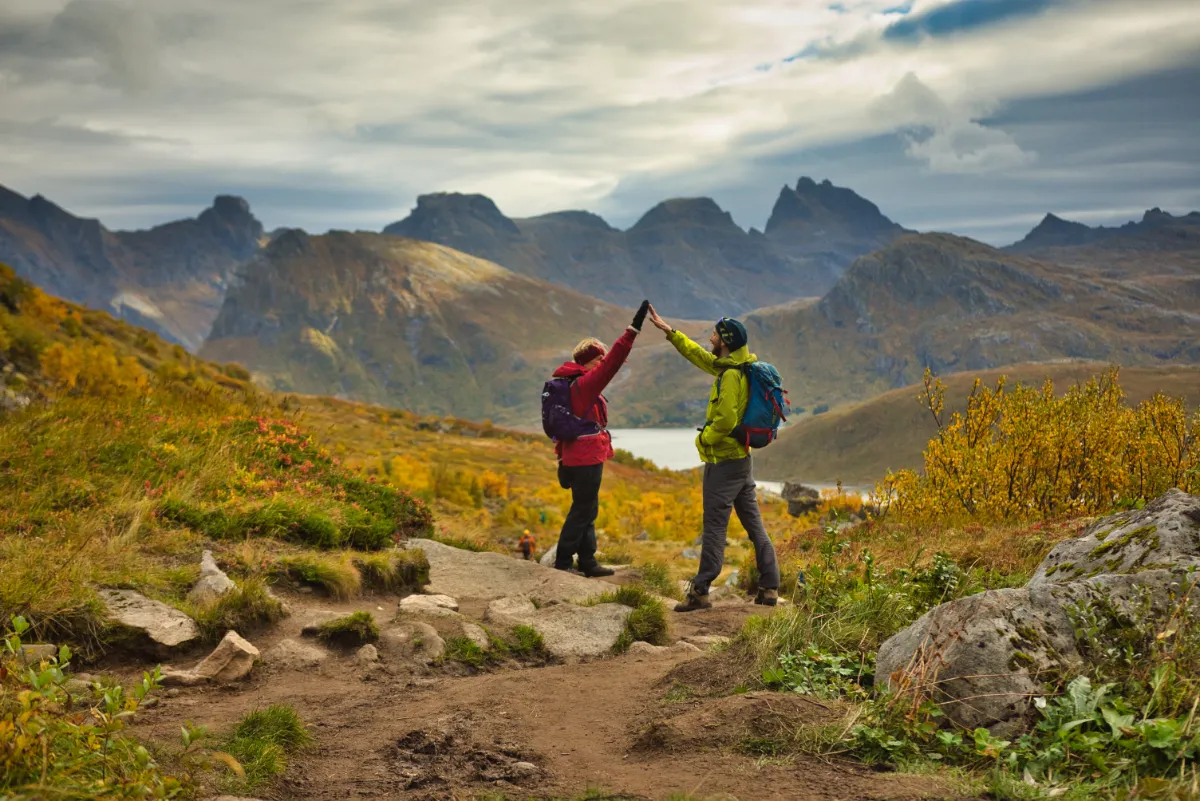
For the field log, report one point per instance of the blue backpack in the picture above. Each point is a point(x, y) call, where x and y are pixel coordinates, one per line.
point(766, 406)
point(558, 421)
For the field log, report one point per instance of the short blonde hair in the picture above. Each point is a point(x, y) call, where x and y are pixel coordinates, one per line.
point(589, 347)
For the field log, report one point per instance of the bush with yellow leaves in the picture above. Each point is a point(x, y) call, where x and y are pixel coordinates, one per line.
point(1027, 453)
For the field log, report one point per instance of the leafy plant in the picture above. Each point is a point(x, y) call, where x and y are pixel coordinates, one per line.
point(46, 750)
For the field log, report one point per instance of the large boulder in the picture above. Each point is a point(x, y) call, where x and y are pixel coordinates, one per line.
point(549, 556)
point(487, 576)
point(987, 656)
point(213, 582)
point(569, 631)
point(163, 627)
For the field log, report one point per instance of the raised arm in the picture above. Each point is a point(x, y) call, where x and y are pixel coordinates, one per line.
point(589, 385)
point(691, 351)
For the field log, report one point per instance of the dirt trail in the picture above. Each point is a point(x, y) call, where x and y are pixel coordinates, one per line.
point(409, 732)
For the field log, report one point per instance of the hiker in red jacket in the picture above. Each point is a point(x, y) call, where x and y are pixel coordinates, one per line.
point(581, 461)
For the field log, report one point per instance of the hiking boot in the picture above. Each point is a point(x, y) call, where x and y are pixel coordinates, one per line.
point(767, 597)
point(597, 571)
point(693, 601)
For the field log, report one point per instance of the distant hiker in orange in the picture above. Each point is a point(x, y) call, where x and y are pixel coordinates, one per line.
point(527, 545)
point(575, 416)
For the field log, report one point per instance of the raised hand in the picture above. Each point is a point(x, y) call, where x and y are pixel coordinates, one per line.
point(659, 323)
point(640, 317)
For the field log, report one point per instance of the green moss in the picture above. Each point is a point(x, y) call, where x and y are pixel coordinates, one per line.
point(1143, 535)
point(1021, 661)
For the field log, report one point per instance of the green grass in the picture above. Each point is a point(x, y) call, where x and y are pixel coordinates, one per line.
point(352, 630)
point(646, 623)
point(394, 571)
point(656, 576)
point(336, 575)
point(522, 643)
point(262, 743)
point(248, 607)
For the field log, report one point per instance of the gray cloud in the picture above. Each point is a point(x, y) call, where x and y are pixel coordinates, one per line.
point(367, 103)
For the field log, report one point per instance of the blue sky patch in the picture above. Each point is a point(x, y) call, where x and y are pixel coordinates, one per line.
point(964, 15)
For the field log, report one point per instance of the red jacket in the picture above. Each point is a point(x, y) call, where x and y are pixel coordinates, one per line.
point(586, 401)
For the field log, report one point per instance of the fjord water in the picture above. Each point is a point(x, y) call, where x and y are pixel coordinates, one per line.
point(675, 449)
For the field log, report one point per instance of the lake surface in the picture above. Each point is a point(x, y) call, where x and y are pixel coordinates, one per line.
point(675, 449)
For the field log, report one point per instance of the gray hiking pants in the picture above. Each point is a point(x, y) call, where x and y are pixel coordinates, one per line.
point(730, 485)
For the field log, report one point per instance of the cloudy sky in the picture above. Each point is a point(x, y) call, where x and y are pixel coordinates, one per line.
point(973, 116)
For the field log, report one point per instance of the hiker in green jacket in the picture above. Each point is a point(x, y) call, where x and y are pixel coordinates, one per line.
point(728, 473)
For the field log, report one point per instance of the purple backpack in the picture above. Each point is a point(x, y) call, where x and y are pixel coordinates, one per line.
point(559, 423)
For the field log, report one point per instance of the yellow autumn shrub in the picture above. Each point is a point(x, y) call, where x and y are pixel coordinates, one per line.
point(1029, 453)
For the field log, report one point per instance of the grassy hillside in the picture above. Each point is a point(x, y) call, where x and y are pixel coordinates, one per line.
point(403, 323)
point(860, 443)
point(121, 457)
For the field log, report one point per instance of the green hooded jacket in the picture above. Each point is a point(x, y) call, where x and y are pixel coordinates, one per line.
point(726, 402)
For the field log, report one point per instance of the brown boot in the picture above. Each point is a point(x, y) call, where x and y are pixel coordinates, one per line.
point(767, 597)
point(693, 601)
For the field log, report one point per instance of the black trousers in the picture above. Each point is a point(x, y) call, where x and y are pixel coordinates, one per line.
point(578, 535)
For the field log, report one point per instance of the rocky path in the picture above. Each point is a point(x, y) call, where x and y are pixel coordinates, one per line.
point(407, 727)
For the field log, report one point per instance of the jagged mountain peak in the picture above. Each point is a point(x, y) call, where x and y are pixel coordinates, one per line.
point(441, 216)
point(691, 211)
point(822, 205)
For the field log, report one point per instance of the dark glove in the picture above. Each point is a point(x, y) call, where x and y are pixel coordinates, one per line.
point(640, 317)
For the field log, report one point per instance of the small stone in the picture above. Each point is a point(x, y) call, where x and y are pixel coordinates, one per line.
point(367, 655)
point(295, 655)
point(428, 641)
point(476, 634)
point(36, 652)
point(640, 648)
point(707, 640)
point(232, 659)
point(173, 692)
point(429, 604)
point(691, 553)
point(213, 582)
point(525, 768)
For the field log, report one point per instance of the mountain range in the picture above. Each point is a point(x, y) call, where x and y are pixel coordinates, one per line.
point(411, 321)
point(687, 253)
point(170, 278)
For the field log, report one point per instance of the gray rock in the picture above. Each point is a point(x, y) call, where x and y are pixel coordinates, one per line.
point(1164, 534)
point(524, 769)
point(296, 655)
point(367, 655)
point(691, 553)
point(213, 582)
point(549, 556)
point(429, 604)
point(232, 659)
point(732, 579)
point(34, 653)
point(487, 576)
point(991, 653)
point(569, 631)
point(706, 641)
point(475, 633)
point(414, 638)
point(801, 500)
point(643, 536)
point(165, 626)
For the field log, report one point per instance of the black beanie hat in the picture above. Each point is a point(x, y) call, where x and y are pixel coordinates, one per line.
point(732, 333)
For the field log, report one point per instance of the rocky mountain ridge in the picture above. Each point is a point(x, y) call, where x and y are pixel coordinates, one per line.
point(687, 251)
point(169, 278)
point(1157, 228)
